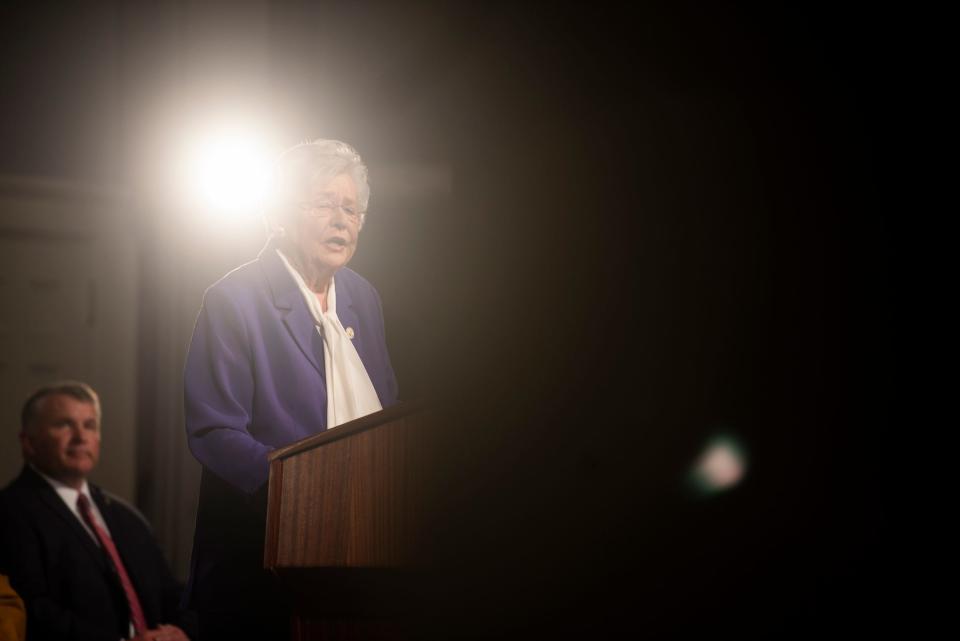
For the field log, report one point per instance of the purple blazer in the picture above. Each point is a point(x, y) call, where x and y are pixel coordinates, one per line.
point(254, 378)
point(254, 381)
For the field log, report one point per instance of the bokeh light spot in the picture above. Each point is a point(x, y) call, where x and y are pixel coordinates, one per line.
point(721, 466)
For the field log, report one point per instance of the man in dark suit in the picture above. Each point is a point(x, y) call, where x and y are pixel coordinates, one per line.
point(85, 563)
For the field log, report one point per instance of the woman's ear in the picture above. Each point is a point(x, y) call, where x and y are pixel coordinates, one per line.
point(274, 226)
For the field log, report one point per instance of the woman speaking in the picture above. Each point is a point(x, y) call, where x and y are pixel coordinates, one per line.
point(285, 346)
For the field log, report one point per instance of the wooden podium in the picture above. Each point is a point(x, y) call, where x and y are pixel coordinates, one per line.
point(345, 512)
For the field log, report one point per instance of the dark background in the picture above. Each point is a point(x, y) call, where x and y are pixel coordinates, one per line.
point(666, 222)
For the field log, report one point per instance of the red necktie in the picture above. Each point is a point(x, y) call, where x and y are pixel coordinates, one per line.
point(136, 612)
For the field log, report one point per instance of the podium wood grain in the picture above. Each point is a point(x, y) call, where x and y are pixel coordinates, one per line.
point(349, 497)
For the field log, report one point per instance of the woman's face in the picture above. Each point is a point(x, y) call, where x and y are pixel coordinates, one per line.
point(326, 233)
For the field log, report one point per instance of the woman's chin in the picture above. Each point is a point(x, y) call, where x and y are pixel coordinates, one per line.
point(333, 258)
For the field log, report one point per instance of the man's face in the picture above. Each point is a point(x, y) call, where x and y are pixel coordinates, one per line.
point(63, 441)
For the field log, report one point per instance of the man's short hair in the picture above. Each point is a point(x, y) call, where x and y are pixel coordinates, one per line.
point(74, 389)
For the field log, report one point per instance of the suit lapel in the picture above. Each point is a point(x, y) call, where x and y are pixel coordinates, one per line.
point(107, 509)
point(292, 308)
point(105, 505)
point(303, 328)
point(52, 501)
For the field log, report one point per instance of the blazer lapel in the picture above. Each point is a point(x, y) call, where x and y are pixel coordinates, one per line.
point(121, 542)
point(292, 308)
point(52, 500)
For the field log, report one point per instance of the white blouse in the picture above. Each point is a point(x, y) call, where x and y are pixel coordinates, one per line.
point(350, 393)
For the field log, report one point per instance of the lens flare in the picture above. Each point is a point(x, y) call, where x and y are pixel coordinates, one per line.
point(721, 465)
point(230, 173)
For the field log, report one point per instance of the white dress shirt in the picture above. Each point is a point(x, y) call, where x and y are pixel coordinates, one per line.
point(69, 496)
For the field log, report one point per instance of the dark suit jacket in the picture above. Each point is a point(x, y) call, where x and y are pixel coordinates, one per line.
point(254, 381)
point(70, 589)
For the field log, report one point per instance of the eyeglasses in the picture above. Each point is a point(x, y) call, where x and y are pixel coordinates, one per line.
point(326, 208)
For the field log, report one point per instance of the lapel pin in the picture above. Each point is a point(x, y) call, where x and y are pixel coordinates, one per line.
point(350, 333)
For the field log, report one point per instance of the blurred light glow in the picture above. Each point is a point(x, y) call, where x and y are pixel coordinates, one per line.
point(229, 173)
point(721, 466)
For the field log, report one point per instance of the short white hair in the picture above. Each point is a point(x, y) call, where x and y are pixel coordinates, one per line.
point(299, 168)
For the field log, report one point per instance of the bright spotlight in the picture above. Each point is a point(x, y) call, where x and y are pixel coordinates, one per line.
point(230, 174)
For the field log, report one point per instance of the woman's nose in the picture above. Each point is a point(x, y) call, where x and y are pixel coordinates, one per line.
point(339, 219)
